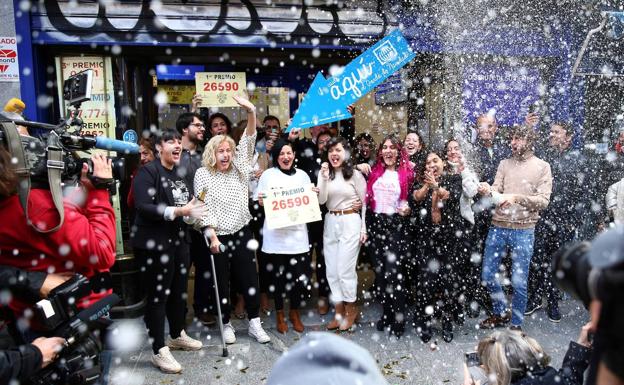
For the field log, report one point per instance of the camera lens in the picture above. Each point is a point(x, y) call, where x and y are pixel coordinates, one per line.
point(571, 267)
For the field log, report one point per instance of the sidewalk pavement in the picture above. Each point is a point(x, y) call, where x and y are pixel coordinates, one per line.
point(403, 361)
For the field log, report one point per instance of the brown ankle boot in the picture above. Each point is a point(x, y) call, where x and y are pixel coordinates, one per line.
point(280, 322)
point(323, 305)
point(340, 314)
point(293, 315)
point(350, 316)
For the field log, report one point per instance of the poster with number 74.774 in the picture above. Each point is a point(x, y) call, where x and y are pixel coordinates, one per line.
point(290, 206)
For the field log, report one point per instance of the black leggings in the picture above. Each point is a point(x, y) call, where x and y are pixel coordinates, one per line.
point(315, 231)
point(203, 293)
point(291, 277)
point(237, 266)
point(389, 245)
point(256, 223)
point(165, 279)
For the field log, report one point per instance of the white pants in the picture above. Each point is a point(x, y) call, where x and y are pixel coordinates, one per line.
point(341, 246)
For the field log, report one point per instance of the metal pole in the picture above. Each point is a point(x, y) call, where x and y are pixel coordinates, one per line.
point(216, 286)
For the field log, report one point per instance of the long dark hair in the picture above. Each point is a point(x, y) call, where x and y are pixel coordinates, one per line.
point(347, 165)
point(228, 122)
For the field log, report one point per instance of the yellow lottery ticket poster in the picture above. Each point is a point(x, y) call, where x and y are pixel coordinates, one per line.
point(217, 88)
point(290, 206)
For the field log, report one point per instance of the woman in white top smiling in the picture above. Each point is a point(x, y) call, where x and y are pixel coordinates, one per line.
point(287, 248)
point(340, 186)
point(223, 184)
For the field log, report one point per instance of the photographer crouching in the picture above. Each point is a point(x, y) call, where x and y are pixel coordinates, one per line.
point(77, 237)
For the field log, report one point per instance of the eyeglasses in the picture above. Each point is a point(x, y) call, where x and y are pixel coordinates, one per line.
point(272, 127)
point(198, 125)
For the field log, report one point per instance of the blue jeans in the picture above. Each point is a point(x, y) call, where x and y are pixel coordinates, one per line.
point(520, 243)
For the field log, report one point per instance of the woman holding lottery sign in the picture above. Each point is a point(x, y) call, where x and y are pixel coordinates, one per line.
point(340, 186)
point(287, 249)
point(386, 197)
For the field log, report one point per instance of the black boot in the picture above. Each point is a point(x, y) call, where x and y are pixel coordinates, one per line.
point(398, 328)
point(447, 330)
point(423, 330)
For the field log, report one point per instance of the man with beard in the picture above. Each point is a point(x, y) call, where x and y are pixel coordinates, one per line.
point(192, 129)
point(521, 189)
point(567, 209)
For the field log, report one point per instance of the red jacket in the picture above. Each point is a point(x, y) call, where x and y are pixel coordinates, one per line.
point(85, 243)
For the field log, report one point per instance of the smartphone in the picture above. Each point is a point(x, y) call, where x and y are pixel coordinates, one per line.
point(472, 359)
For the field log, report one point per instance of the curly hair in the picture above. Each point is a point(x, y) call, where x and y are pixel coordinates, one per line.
point(209, 158)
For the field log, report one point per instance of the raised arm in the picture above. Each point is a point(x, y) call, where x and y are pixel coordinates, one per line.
point(250, 130)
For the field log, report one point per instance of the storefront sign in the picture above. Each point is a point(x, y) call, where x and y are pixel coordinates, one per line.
point(506, 90)
point(217, 88)
point(391, 91)
point(130, 136)
point(98, 114)
point(291, 206)
point(9, 67)
point(178, 94)
point(177, 72)
point(327, 99)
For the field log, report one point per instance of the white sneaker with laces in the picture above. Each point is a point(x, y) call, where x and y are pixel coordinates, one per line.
point(184, 342)
point(165, 361)
point(228, 333)
point(256, 331)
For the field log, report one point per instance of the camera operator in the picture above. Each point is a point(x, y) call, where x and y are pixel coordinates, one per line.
point(85, 243)
point(594, 274)
point(24, 361)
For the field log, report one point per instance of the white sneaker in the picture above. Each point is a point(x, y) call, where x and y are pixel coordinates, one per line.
point(165, 361)
point(256, 331)
point(228, 333)
point(184, 342)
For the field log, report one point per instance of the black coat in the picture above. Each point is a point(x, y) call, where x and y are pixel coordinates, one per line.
point(152, 194)
point(574, 365)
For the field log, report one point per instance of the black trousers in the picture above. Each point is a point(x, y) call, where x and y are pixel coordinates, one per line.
point(203, 292)
point(291, 278)
point(315, 231)
point(165, 279)
point(389, 247)
point(438, 286)
point(236, 267)
point(255, 225)
point(550, 235)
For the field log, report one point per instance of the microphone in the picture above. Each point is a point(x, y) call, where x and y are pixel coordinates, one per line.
point(116, 145)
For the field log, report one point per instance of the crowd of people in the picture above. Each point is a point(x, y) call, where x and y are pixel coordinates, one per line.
point(448, 231)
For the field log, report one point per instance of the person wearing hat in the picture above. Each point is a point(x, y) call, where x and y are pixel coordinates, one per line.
point(287, 249)
point(521, 189)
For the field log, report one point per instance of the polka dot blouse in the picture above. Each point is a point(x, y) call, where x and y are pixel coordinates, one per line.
point(227, 193)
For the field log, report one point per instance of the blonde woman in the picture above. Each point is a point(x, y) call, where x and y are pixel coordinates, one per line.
point(223, 184)
point(510, 357)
